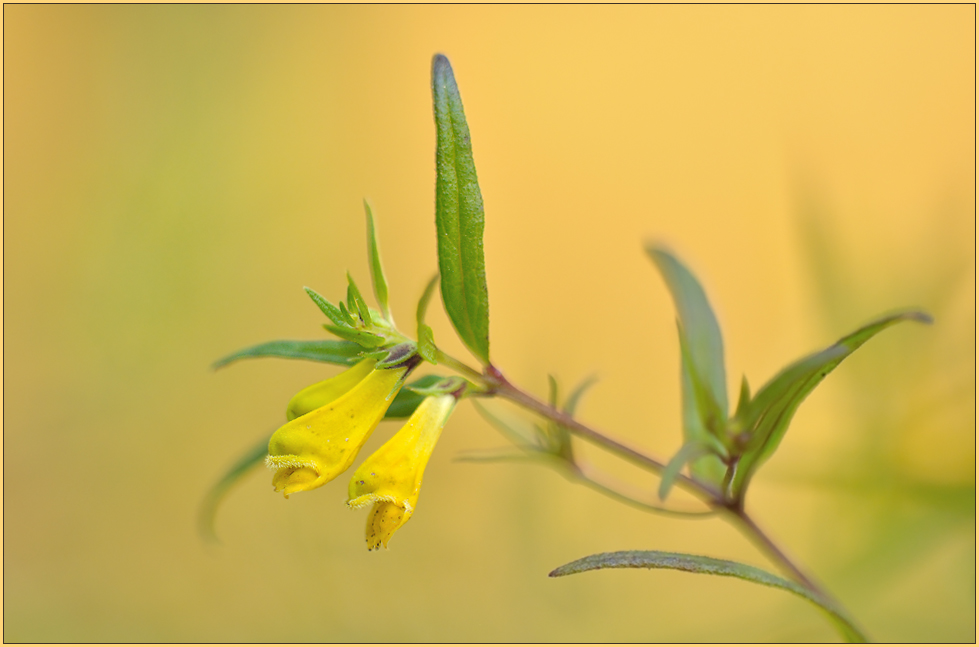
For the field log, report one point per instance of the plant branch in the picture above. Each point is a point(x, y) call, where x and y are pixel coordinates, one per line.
point(503, 388)
point(734, 511)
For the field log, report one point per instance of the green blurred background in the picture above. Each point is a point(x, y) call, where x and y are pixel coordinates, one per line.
point(175, 174)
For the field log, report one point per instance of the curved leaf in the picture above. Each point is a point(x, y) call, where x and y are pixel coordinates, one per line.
point(209, 506)
point(767, 416)
point(703, 383)
point(711, 566)
point(459, 215)
point(331, 351)
point(699, 327)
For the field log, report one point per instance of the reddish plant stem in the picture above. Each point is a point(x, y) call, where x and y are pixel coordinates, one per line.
point(502, 387)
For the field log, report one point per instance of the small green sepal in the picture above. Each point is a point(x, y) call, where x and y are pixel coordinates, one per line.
point(398, 355)
point(331, 311)
point(365, 339)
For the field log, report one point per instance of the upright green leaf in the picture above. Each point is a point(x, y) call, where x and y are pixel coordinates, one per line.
point(766, 418)
point(571, 404)
point(703, 335)
point(552, 391)
point(711, 566)
point(426, 338)
point(696, 405)
point(331, 351)
point(459, 216)
point(377, 271)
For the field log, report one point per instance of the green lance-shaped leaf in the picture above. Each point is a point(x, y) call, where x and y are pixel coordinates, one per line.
point(426, 338)
point(331, 351)
point(377, 271)
point(766, 418)
point(702, 334)
point(459, 216)
point(711, 566)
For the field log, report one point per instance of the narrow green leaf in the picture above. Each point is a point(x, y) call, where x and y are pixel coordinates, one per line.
point(331, 311)
point(571, 404)
point(711, 566)
point(744, 398)
point(696, 408)
point(377, 270)
point(426, 338)
point(459, 215)
point(365, 339)
point(690, 451)
point(552, 390)
point(408, 400)
point(701, 330)
point(767, 417)
point(212, 500)
point(321, 350)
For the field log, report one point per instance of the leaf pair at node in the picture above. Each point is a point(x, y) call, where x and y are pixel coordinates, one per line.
point(723, 450)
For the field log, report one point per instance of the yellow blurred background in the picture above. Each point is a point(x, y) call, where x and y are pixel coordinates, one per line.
point(173, 176)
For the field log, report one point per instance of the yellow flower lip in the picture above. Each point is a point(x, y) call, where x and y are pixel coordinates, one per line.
point(391, 477)
point(317, 445)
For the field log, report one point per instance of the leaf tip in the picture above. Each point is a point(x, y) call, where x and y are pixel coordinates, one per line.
point(656, 248)
point(440, 63)
point(920, 316)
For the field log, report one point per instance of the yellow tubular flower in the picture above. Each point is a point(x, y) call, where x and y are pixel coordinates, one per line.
point(315, 447)
point(392, 476)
